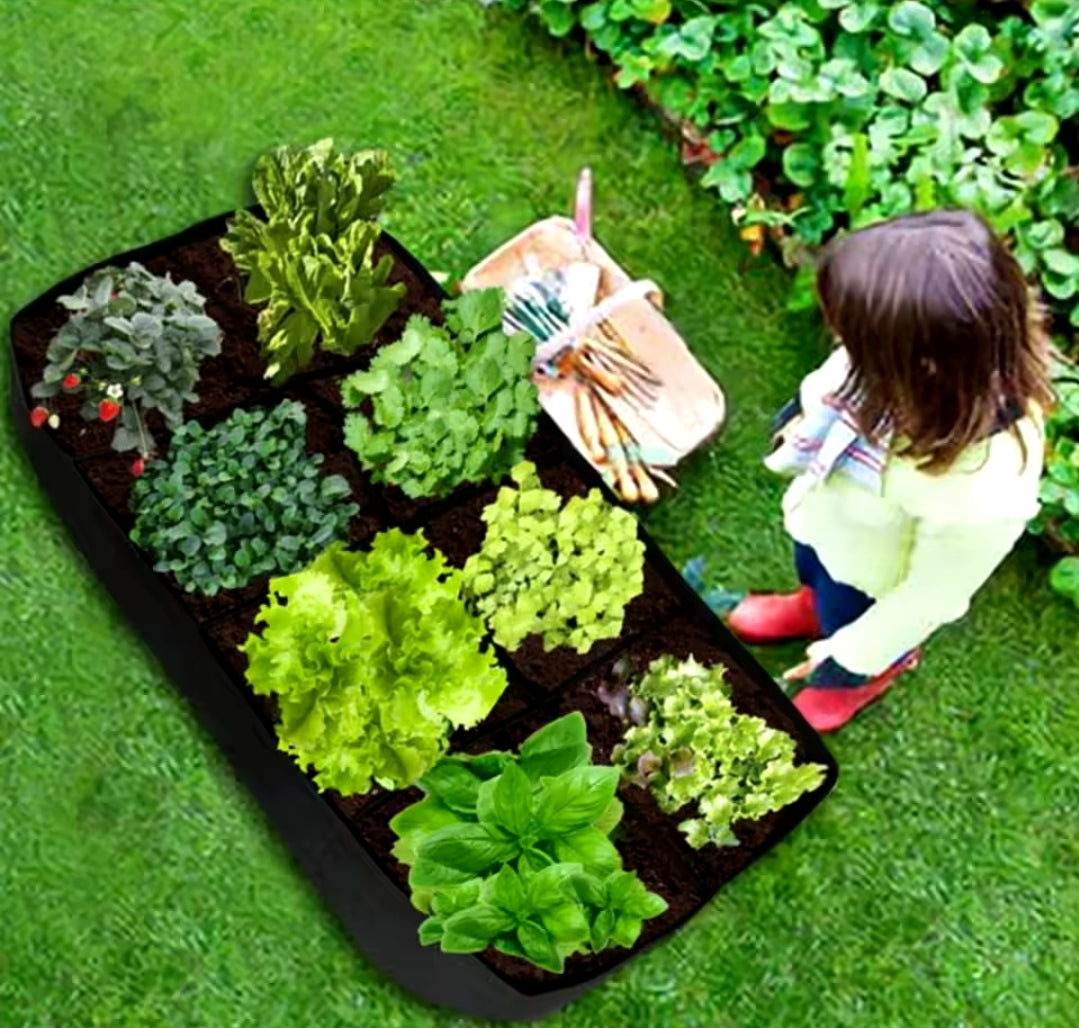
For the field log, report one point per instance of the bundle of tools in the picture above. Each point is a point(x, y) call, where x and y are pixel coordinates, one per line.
point(582, 350)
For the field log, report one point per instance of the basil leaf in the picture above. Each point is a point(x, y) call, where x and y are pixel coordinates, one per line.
point(539, 947)
point(431, 931)
point(417, 821)
point(505, 890)
point(552, 886)
point(566, 923)
point(575, 799)
point(480, 922)
point(454, 785)
point(590, 848)
point(457, 853)
point(557, 747)
point(512, 800)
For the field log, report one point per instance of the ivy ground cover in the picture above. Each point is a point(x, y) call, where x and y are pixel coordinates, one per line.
point(531, 836)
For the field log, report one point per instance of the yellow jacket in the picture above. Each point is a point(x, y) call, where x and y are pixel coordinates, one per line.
point(925, 545)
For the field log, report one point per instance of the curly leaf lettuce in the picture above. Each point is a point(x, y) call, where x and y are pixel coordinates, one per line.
point(374, 659)
point(695, 747)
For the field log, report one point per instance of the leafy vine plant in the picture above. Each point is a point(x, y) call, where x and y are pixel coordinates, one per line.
point(822, 115)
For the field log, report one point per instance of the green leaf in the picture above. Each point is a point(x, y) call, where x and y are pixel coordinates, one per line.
point(481, 923)
point(575, 798)
point(801, 164)
point(557, 747)
point(512, 801)
point(417, 821)
point(455, 786)
point(566, 924)
point(589, 847)
point(506, 890)
point(904, 84)
point(911, 20)
point(467, 849)
point(539, 947)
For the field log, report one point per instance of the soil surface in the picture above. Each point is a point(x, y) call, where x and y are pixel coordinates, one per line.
point(665, 618)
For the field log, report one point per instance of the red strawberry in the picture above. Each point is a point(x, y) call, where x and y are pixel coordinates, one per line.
point(38, 416)
point(108, 409)
point(70, 380)
point(138, 466)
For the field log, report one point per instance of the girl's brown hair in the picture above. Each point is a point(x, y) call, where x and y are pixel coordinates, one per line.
point(942, 329)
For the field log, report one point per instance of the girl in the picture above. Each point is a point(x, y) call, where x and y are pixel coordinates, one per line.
point(916, 450)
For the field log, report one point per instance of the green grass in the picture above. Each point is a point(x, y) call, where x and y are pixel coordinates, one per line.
point(140, 885)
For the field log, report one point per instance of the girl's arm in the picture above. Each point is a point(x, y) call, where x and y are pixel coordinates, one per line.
point(949, 562)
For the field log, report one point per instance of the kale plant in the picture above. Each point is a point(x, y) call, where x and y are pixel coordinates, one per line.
point(449, 405)
point(375, 659)
point(239, 500)
point(312, 260)
point(566, 571)
point(133, 344)
point(514, 852)
point(689, 745)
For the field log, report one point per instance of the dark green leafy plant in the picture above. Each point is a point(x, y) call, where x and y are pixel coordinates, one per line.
point(448, 405)
point(851, 111)
point(133, 344)
point(689, 745)
point(1058, 520)
point(312, 260)
point(514, 852)
point(374, 659)
point(239, 500)
point(564, 570)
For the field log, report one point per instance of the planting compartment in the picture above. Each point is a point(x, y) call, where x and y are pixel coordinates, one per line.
point(343, 843)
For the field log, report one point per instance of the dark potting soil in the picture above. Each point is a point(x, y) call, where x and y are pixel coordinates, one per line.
point(541, 685)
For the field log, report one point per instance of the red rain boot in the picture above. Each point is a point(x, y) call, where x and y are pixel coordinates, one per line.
point(827, 710)
point(775, 617)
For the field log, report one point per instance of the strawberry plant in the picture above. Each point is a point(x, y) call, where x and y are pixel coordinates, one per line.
point(448, 404)
point(374, 660)
point(689, 745)
point(239, 500)
point(514, 852)
point(311, 262)
point(133, 344)
point(565, 571)
point(821, 115)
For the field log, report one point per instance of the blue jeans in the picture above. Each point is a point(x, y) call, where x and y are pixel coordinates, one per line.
point(837, 604)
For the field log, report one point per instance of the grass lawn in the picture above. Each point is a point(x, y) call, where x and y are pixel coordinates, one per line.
point(139, 884)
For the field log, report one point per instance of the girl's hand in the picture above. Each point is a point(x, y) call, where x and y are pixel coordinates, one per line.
point(800, 671)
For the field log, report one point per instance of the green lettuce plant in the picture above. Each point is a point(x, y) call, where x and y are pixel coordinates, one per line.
point(514, 852)
point(133, 344)
point(239, 500)
point(311, 262)
point(374, 660)
point(565, 570)
point(449, 404)
point(688, 744)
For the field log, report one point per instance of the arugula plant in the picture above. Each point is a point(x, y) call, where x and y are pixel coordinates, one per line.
point(449, 404)
point(374, 660)
point(564, 570)
point(239, 500)
point(133, 343)
point(688, 744)
point(851, 111)
point(514, 852)
point(311, 262)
